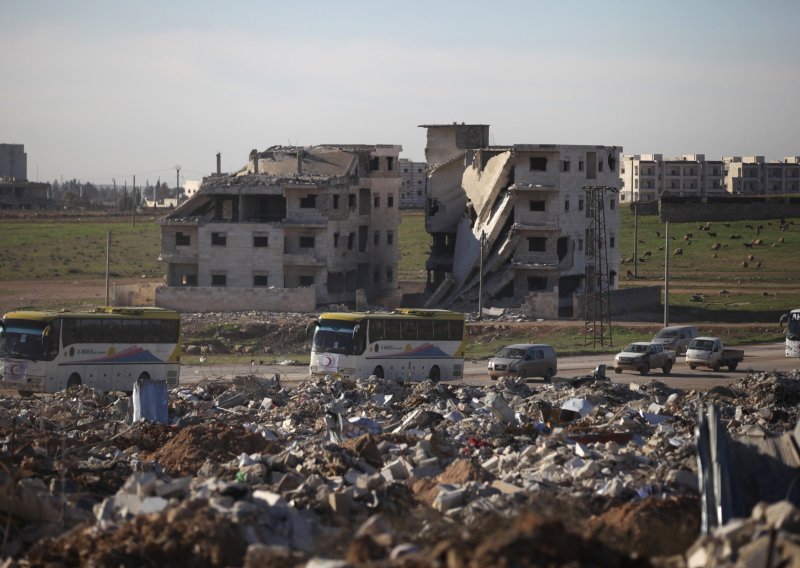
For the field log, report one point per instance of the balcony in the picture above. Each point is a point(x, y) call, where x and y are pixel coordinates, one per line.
point(302, 259)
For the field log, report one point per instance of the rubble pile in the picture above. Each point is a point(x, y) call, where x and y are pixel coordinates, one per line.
point(339, 472)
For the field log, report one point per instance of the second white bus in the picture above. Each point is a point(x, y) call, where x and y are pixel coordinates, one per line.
point(404, 345)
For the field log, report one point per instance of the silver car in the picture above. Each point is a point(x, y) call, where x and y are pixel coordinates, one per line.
point(524, 360)
point(676, 338)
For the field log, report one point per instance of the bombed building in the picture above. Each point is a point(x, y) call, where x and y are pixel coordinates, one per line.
point(295, 228)
point(529, 206)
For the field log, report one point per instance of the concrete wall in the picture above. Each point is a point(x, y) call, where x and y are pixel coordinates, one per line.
point(683, 210)
point(626, 300)
point(197, 299)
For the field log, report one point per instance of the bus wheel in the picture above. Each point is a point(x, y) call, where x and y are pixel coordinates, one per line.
point(74, 380)
point(378, 372)
point(144, 377)
point(435, 375)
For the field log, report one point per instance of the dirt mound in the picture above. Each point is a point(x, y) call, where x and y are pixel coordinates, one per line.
point(189, 535)
point(186, 452)
point(639, 527)
point(534, 540)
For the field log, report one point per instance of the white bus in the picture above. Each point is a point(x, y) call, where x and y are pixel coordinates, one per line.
point(405, 345)
point(107, 349)
point(792, 321)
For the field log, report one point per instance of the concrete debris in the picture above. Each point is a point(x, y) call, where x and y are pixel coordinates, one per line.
point(337, 472)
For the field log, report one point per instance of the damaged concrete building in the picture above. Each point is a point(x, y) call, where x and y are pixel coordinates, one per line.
point(295, 228)
point(528, 203)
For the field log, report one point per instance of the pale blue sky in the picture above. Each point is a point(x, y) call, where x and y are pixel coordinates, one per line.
point(99, 90)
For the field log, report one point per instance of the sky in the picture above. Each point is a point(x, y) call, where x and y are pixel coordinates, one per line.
point(101, 91)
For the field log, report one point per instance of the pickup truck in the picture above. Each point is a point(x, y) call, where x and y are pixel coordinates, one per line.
point(709, 352)
point(642, 356)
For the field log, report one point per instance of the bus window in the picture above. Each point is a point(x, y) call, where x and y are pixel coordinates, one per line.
point(170, 330)
point(409, 330)
point(71, 332)
point(392, 328)
point(376, 330)
point(132, 330)
point(425, 330)
point(151, 331)
point(113, 330)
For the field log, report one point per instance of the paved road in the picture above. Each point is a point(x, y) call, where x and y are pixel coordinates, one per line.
point(757, 357)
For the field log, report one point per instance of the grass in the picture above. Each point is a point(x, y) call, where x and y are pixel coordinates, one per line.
point(415, 245)
point(69, 248)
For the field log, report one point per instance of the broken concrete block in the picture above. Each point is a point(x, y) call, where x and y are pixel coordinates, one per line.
point(448, 498)
point(140, 484)
point(268, 497)
point(179, 486)
point(499, 408)
point(507, 488)
point(340, 502)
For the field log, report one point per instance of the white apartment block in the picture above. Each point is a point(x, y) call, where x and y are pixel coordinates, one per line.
point(295, 228)
point(414, 180)
point(528, 204)
point(645, 177)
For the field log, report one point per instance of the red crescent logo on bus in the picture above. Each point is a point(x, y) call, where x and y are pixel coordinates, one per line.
point(326, 360)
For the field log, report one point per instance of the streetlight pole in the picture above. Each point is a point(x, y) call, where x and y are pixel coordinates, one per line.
point(480, 278)
point(666, 273)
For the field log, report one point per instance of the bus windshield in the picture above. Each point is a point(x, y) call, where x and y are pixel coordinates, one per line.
point(793, 327)
point(338, 336)
point(24, 339)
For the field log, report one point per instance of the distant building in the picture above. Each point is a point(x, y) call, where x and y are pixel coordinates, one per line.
point(295, 228)
point(528, 204)
point(25, 195)
point(191, 186)
point(646, 177)
point(13, 162)
point(414, 181)
point(16, 192)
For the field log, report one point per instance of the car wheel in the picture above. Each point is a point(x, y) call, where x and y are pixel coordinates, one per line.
point(716, 366)
point(692, 367)
point(667, 368)
point(732, 365)
point(645, 369)
point(617, 370)
point(548, 376)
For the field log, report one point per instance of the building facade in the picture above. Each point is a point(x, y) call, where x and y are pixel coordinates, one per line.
point(13, 162)
point(413, 184)
point(645, 177)
point(20, 194)
point(514, 220)
point(295, 228)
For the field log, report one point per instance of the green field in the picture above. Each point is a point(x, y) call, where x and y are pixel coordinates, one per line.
point(700, 283)
point(75, 248)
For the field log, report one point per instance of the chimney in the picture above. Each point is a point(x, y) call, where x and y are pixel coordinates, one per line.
point(254, 159)
point(299, 161)
point(219, 163)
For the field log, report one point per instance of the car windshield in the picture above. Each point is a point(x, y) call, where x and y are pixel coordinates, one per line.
point(667, 333)
point(702, 344)
point(636, 348)
point(511, 353)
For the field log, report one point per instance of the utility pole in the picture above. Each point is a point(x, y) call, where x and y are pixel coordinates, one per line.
point(133, 213)
point(115, 195)
point(177, 181)
point(666, 273)
point(635, 239)
point(108, 256)
point(482, 242)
